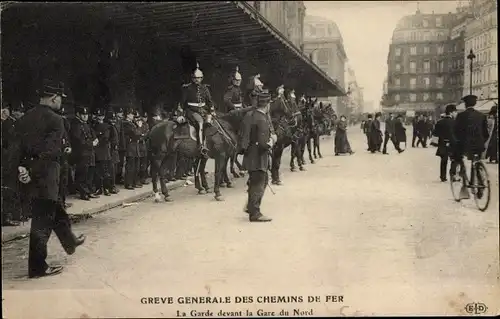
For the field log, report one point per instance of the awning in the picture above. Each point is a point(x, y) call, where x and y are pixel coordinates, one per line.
point(233, 31)
point(483, 106)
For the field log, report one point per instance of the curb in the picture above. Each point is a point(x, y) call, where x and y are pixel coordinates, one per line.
point(24, 231)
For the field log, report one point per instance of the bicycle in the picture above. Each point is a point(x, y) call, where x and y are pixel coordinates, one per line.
point(480, 191)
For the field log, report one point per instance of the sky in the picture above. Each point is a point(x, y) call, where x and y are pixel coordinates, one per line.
point(366, 27)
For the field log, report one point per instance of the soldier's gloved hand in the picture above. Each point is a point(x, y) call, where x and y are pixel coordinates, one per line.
point(67, 150)
point(24, 176)
point(95, 142)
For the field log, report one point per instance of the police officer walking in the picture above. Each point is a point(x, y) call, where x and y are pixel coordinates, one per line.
point(83, 141)
point(256, 142)
point(36, 155)
point(102, 155)
point(197, 101)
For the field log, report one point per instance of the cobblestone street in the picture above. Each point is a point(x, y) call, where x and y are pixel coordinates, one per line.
point(381, 231)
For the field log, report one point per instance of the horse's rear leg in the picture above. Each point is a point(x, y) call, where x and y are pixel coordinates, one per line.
point(317, 142)
point(197, 177)
point(292, 158)
point(162, 169)
point(203, 175)
point(226, 179)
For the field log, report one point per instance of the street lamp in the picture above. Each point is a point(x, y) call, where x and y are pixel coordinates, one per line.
point(471, 57)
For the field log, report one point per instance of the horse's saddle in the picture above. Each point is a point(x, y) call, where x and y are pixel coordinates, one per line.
point(185, 131)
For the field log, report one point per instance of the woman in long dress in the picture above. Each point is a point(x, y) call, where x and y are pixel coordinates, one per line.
point(342, 145)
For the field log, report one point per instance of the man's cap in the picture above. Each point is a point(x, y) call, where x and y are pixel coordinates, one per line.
point(470, 99)
point(110, 114)
point(51, 87)
point(378, 114)
point(81, 109)
point(370, 116)
point(450, 108)
point(263, 98)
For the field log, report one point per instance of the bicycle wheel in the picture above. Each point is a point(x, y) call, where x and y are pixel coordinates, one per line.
point(482, 191)
point(457, 181)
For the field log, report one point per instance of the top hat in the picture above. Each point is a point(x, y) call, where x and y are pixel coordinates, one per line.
point(51, 87)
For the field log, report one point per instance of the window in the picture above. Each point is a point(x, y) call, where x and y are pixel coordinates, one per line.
point(440, 49)
point(396, 97)
point(439, 96)
point(398, 51)
point(323, 56)
point(438, 21)
point(427, 66)
point(413, 83)
point(398, 67)
point(413, 50)
point(427, 36)
point(426, 81)
point(397, 82)
point(426, 96)
point(441, 66)
point(440, 81)
point(413, 97)
point(425, 23)
point(427, 50)
point(413, 66)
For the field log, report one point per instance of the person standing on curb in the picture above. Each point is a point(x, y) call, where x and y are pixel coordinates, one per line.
point(36, 154)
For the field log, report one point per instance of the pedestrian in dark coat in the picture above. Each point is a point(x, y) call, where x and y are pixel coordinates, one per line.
point(376, 134)
point(399, 132)
point(367, 131)
point(256, 144)
point(102, 131)
point(131, 135)
point(36, 155)
point(389, 134)
point(414, 122)
point(444, 131)
point(142, 148)
point(492, 152)
point(83, 142)
point(422, 128)
point(111, 119)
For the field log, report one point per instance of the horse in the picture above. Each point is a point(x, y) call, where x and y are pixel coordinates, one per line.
point(285, 123)
point(172, 140)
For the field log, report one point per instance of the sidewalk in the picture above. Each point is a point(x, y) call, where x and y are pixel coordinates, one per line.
point(82, 210)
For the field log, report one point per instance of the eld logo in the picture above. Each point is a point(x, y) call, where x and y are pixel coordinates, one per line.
point(476, 308)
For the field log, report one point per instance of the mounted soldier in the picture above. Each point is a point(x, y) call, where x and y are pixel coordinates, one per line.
point(197, 103)
point(233, 98)
point(254, 87)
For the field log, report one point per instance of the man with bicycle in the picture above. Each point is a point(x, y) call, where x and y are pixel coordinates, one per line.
point(471, 132)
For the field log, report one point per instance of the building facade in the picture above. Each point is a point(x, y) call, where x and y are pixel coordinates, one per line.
point(323, 43)
point(355, 99)
point(286, 16)
point(481, 37)
point(424, 64)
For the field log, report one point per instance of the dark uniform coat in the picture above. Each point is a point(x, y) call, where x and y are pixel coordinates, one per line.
point(471, 131)
point(376, 133)
point(38, 147)
point(233, 98)
point(141, 143)
point(103, 148)
point(399, 131)
point(256, 132)
point(82, 137)
point(131, 136)
point(444, 130)
point(194, 93)
point(121, 136)
point(114, 139)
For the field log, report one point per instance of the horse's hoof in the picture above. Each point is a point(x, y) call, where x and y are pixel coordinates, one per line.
point(313, 162)
point(202, 192)
point(168, 199)
point(320, 156)
point(208, 190)
point(219, 198)
point(303, 169)
point(229, 185)
point(293, 169)
point(222, 185)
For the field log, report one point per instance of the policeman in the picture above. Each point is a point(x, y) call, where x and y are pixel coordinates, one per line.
point(111, 120)
point(233, 98)
point(256, 143)
point(131, 136)
point(83, 142)
point(102, 131)
point(65, 167)
point(36, 156)
point(121, 147)
point(255, 86)
point(196, 101)
point(142, 148)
